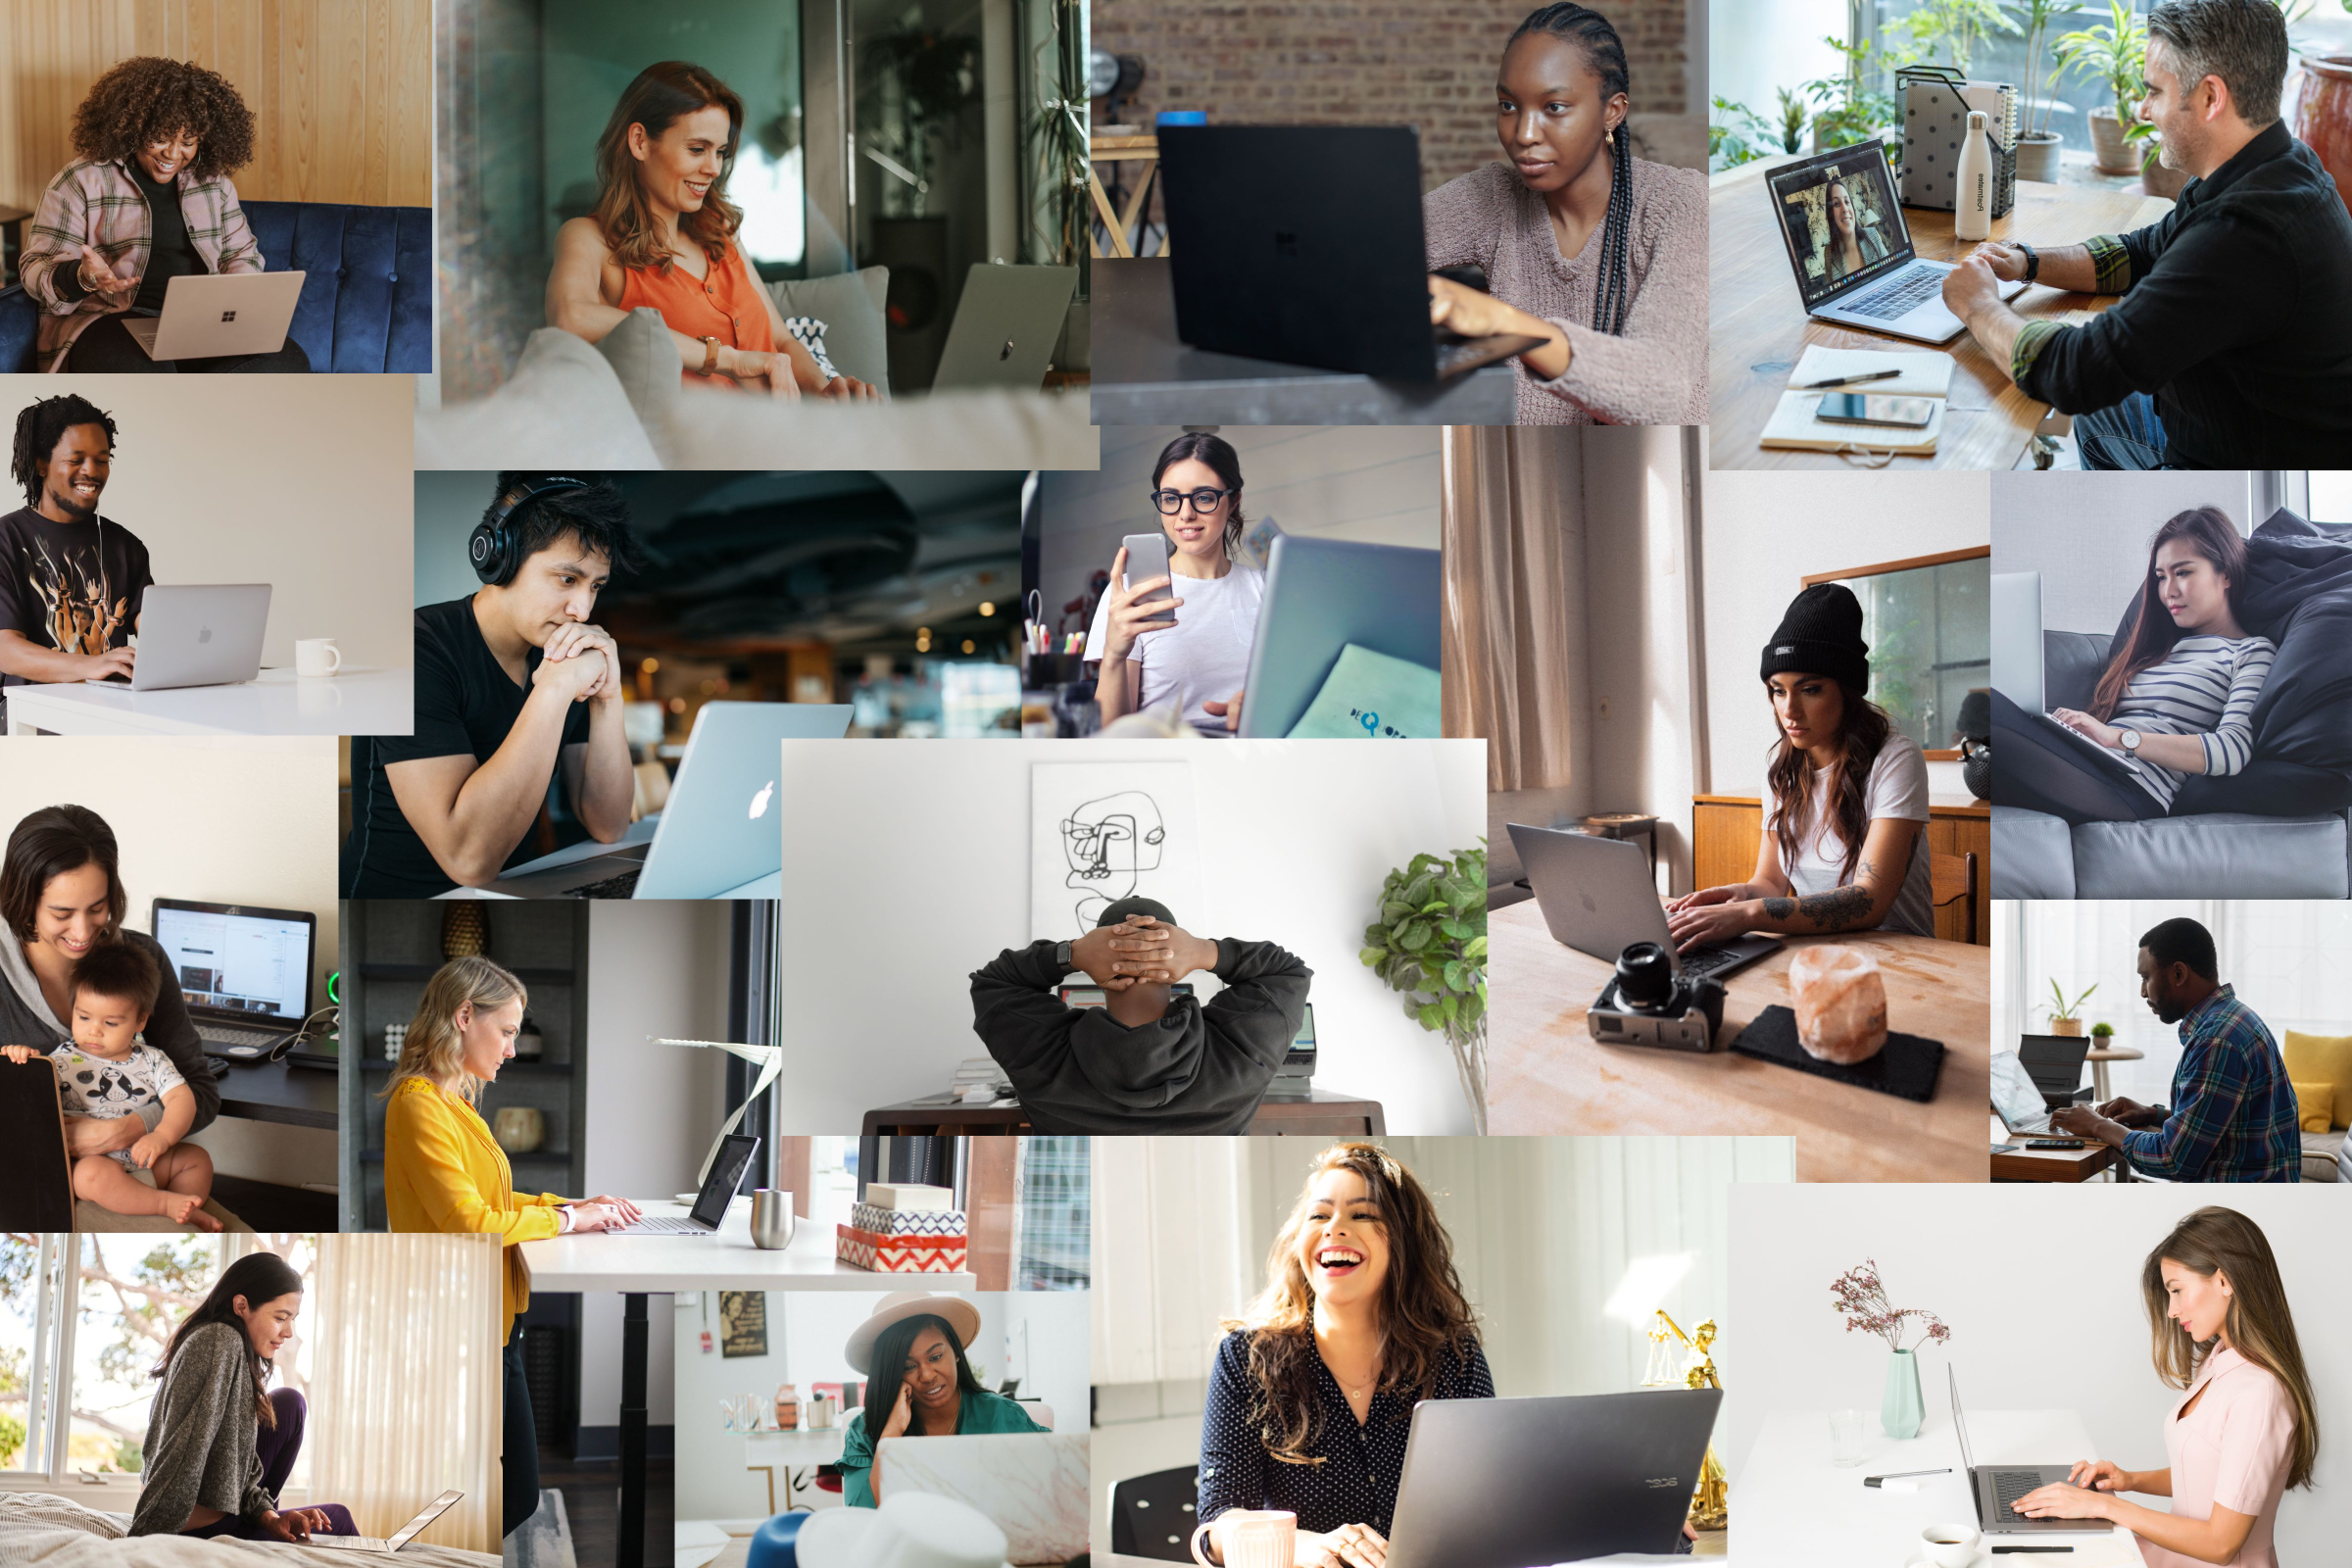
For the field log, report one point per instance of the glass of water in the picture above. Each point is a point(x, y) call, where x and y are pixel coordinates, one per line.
point(1848, 1431)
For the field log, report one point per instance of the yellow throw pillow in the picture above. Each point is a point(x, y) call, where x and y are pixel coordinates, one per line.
point(2322, 1060)
point(2312, 1103)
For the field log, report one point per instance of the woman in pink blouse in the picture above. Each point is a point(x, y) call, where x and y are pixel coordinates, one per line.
point(2244, 1433)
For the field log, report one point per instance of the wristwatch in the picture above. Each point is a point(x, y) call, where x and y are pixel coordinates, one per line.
point(1062, 956)
point(2130, 741)
point(2033, 260)
point(709, 356)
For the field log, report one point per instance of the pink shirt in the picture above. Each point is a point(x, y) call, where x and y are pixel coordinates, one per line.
point(2231, 1450)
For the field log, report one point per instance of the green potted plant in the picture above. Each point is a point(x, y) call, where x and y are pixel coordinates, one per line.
point(1430, 943)
point(2114, 55)
point(2063, 1021)
point(2038, 145)
point(1848, 108)
point(1951, 28)
point(2102, 1034)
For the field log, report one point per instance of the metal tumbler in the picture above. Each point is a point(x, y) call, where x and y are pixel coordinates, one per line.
point(774, 1222)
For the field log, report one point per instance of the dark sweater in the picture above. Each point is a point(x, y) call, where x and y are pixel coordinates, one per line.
point(25, 1020)
point(1198, 1070)
point(203, 1436)
point(2237, 314)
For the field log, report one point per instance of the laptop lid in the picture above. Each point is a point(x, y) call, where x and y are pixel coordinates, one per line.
point(1968, 1464)
point(430, 1512)
point(2017, 638)
point(207, 314)
point(1030, 1485)
point(723, 827)
point(1006, 326)
point(1857, 179)
point(200, 635)
point(2015, 1098)
point(1321, 595)
point(239, 962)
point(1596, 894)
point(735, 1154)
point(2054, 1063)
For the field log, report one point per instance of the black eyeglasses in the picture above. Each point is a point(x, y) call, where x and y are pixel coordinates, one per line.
point(1172, 502)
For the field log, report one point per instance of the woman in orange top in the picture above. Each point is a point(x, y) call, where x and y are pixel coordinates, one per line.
point(662, 235)
point(444, 1172)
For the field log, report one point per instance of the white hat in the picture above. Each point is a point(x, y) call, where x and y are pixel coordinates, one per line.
point(958, 1313)
point(910, 1529)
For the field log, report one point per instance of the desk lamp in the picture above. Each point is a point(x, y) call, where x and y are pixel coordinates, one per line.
point(771, 1061)
point(1710, 1504)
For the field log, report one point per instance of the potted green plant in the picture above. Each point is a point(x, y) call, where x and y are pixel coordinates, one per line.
point(2114, 55)
point(2038, 145)
point(2062, 1019)
point(1951, 28)
point(1848, 108)
point(1058, 134)
point(1430, 943)
point(2102, 1033)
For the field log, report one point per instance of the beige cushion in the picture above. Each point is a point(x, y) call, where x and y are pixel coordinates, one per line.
point(645, 360)
point(563, 406)
point(2321, 1060)
point(973, 430)
point(851, 305)
point(89, 1216)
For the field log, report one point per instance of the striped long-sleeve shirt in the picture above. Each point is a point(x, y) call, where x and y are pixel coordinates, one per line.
point(2205, 687)
point(2233, 1116)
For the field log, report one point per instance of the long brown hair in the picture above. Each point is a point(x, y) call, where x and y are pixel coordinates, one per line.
point(432, 1049)
point(2209, 532)
point(1862, 732)
point(257, 1277)
point(2260, 1327)
point(661, 95)
point(1425, 1317)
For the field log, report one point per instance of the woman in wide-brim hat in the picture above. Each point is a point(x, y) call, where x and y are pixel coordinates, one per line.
point(919, 1385)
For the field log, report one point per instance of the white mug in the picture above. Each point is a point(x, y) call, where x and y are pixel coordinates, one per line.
point(1950, 1545)
point(1253, 1538)
point(317, 657)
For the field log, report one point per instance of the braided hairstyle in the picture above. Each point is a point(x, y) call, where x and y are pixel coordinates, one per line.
point(1605, 52)
point(40, 426)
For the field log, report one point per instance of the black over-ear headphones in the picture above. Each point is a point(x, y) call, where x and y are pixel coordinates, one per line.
point(494, 547)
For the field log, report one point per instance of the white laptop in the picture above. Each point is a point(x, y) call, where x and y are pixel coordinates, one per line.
point(406, 1534)
point(1894, 291)
point(2017, 638)
point(1006, 326)
point(205, 315)
point(1031, 1485)
point(198, 636)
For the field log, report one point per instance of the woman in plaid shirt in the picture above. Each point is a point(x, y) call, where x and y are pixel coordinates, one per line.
point(148, 199)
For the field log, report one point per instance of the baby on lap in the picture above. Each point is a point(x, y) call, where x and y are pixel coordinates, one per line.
point(105, 1071)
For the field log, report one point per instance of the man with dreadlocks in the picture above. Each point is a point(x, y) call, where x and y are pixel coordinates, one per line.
point(70, 582)
point(1600, 254)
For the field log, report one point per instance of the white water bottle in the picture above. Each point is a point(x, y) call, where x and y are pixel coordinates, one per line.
point(1972, 194)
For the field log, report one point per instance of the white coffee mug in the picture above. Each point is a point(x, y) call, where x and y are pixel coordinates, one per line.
point(317, 657)
point(1251, 1538)
point(1950, 1545)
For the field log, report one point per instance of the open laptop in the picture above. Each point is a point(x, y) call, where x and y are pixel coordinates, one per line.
point(1897, 292)
point(406, 1534)
point(1302, 244)
point(198, 636)
point(244, 970)
point(1030, 1485)
point(1598, 898)
point(205, 315)
point(2017, 1101)
point(735, 1152)
point(721, 827)
point(2017, 638)
point(1006, 326)
point(1995, 1487)
point(1321, 595)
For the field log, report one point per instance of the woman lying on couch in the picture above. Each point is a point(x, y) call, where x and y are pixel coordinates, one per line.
point(662, 235)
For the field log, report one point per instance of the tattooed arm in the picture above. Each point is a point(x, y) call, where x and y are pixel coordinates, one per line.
point(1859, 906)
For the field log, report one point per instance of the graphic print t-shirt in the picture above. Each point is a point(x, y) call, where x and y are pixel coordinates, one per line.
point(74, 587)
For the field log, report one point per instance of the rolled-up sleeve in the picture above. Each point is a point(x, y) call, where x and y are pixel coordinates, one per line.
point(2230, 746)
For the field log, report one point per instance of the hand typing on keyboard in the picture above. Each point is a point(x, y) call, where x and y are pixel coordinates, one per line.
point(604, 1213)
point(1711, 916)
point(2070, 1500)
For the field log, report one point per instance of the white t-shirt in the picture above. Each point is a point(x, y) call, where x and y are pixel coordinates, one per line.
point(1204, 656)
point(1897, 788)
point(94, 1086)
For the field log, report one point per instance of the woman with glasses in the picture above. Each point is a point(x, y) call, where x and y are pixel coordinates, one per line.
point(147, 200)
point(1190, 653)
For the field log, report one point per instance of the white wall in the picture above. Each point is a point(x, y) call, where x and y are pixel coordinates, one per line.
point(1036, 1336)
point(2088, 534)
point(301, 483)
point(448, 503)
point(902, 879)
point(2041, 1288)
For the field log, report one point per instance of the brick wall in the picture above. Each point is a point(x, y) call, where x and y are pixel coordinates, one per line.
point(1425, 62)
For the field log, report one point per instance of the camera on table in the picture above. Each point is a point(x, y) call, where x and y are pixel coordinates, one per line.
point(1646, 1004)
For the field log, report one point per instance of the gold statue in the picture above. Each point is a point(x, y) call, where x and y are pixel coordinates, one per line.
point(1710, 1503)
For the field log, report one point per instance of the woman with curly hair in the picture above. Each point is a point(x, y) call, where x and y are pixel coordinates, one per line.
point(663, 235)
point(1312, 1396)
point(148, 199)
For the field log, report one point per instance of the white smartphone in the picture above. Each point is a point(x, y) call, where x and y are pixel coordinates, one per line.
point(1147, 558)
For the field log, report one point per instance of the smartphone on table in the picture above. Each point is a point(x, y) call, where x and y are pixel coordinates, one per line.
point(1147, 558)
point(1870, 407)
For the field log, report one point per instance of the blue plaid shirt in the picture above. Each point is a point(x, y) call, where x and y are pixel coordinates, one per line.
point(2233, 1116)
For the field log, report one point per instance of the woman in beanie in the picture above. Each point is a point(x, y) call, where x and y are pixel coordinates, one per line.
point(1844, 848)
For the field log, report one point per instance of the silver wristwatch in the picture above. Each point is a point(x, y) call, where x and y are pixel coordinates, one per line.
point(2130, 740)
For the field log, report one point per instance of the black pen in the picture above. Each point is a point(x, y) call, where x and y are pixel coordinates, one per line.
point(1848, 381)
point(1999, 1549)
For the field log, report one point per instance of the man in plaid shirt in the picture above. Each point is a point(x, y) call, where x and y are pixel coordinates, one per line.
point(2232, 1116)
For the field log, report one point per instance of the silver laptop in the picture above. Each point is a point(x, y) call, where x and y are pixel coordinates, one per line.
point(2017, 638)
point(1997, 1487)
point(1006, 326)
point(1030, 1485)
point(735, 1152)
point(1895, 291)
point(243, 970)
point(207, 636)
point(406, 1534)
point(1598, 898)
point(720, 828)
point(1321, 595)
point(2016, 1098)
point(210, 314)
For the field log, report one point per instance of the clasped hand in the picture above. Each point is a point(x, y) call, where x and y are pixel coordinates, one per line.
point(1141, 949)
point(581, 660)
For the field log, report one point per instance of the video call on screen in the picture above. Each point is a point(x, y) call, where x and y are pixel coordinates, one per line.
point(1803, 195)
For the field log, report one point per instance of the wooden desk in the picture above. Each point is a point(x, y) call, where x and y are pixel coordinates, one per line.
point(280, 1092)
point(1547, 1074)
point(1725, 830)
point(1757, 327)
point(1324, 1113)
point(2014, 1162)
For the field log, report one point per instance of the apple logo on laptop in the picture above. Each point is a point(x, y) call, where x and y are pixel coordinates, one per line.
point(1586, 899)
point(204, 634)
point(760, 800)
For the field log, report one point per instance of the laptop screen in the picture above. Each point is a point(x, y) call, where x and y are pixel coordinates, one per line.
point(2013, 1092)
point(1842, 221)
point(236, 959)
point(1968, 1464)
point(726, 1174)
point(432, 1512)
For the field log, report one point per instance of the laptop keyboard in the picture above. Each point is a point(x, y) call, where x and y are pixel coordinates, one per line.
point(2010, 1485)
point(612, 886)
point(1701, 963)
point(1899, 296)
point(665, 1226)
point(220, 1035)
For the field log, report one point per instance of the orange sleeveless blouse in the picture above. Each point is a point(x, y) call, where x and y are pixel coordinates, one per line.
point(724, 304)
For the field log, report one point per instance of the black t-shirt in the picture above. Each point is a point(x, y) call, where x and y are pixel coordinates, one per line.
point(74, 587)
point(465, 706)
point(171, 251)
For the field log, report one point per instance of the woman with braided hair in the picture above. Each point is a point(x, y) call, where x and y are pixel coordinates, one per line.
point(1600, 254)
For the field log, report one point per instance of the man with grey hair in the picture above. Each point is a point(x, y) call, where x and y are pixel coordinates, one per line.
point(2232, 346)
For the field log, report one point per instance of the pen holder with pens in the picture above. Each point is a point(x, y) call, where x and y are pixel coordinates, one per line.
point(1042, 670)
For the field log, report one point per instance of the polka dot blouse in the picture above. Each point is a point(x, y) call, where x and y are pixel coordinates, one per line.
point(1356, 1482)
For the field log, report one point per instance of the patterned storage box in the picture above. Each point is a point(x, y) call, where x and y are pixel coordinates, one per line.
point(907, 1222)
point(1935, 106)
point(899, 1255)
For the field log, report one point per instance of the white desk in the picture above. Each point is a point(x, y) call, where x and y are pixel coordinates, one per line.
point(803, 1447)
point(1790, 1505)
point(360, 700)
point(641, 831)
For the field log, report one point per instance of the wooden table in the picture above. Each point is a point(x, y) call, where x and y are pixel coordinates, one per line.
point(1323, 1113)
point(1757, 327)
point(2013, 1162)
point(1547, 1074)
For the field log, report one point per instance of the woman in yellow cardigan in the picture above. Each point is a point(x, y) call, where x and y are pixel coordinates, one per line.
point(443, 1171)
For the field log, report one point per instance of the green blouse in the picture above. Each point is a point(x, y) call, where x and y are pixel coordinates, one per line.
point(982, 1415)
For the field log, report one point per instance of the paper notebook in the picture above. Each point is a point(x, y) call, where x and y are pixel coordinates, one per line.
point(1793, 425)
point(1925, 375)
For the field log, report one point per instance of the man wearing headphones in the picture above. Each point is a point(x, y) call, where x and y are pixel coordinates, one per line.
point(69, 584)
point(511, 681)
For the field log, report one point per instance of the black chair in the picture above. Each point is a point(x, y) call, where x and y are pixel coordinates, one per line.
point(1152, 1516)
point(37, 1178)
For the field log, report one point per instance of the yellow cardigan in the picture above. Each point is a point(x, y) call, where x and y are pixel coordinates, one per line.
point(444, 1172)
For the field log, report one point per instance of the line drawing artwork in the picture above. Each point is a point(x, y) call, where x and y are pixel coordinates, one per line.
point(1108, 841)
point(1103, 831)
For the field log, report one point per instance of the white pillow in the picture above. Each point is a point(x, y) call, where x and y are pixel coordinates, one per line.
point(563, 406)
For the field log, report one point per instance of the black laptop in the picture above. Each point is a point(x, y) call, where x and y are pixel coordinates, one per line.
point(2055, 1064)
point(244, 971)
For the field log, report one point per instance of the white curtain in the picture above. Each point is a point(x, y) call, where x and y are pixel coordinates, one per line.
point(407, 1381)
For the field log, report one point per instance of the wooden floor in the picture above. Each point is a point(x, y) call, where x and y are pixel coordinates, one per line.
point(592, 1499)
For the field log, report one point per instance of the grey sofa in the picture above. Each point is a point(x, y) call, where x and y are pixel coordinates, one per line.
point(2222, 854)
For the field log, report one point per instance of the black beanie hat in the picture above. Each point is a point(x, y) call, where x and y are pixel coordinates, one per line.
point(1821, 635)
point(1136, 905)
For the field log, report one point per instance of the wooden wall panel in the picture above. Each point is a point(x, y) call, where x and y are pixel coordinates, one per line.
point(341, 89)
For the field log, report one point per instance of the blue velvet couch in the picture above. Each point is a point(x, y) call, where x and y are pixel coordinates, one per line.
point(366, 305)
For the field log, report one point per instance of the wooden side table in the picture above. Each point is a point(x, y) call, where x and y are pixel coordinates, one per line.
point(1143, 150)
point(2100, 1057)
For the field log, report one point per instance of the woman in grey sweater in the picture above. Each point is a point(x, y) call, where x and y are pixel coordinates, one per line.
point(219, 1442)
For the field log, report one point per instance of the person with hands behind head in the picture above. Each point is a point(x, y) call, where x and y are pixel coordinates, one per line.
point(70, 582)
point(910, 1351)
point(1146, 1060)
point(2246, 1429)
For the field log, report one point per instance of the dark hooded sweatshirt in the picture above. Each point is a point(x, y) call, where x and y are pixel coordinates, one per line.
point(1195, 1070)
